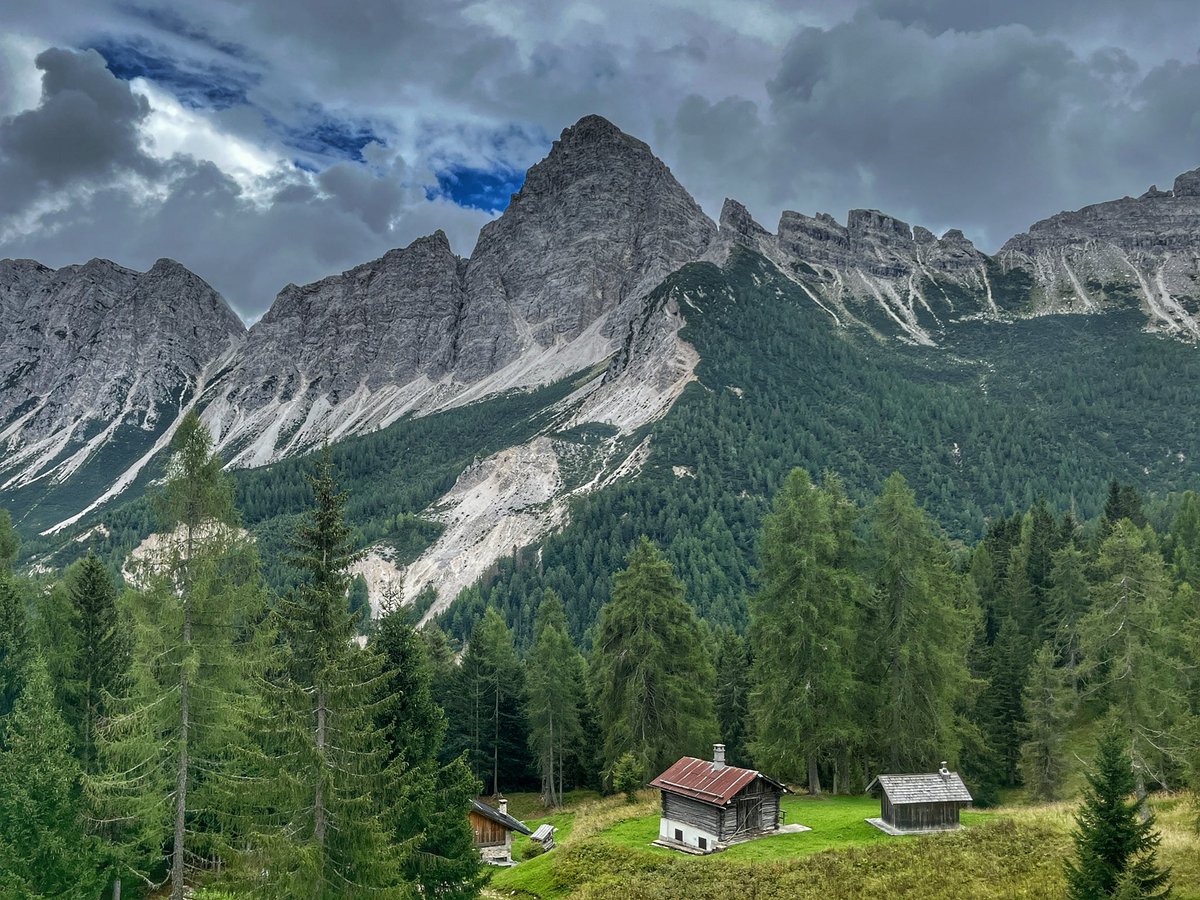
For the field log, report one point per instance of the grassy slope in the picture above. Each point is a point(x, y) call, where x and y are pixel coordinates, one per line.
point(1014, 852)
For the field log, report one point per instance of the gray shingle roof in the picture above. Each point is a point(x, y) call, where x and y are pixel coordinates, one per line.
point(489, 812)
point(933, 788)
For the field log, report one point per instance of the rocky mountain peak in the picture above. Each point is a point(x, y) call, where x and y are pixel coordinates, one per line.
point(1187, 184)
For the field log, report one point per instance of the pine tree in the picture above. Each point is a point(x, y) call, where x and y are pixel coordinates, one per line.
point(45, 850)
point(488, 705)
point(1001, 700)
point(334, 798)
point(14, 644)
point(434, 799)
point(650, 675)
point(171, 757)
point(1047, 710)
point(1126, 649)
point(99, 656)
point(804, 628)
point(1112, 843)
point(733, 665)
point(554, 697)
point(918, 630)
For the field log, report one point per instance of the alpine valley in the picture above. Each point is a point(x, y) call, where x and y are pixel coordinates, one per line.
point(610, 362)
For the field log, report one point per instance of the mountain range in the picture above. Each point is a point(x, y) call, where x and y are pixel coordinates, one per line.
point(579, 301)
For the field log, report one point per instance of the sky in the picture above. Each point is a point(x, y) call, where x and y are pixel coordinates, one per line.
point(261, 142)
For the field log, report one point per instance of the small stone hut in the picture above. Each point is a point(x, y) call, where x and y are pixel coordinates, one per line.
point(492, 829)
point(707, 805)
point(914, 804)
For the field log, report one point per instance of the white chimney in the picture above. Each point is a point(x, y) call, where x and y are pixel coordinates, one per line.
point(718, 756)
point(504, 805)
point(944, 772)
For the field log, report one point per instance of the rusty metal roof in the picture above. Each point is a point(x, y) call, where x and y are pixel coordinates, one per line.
point(701, 780)
point(933, 788)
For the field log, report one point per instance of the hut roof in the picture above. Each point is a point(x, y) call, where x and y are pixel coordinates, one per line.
point(701, 780)
point(933, 788)
point(498, 817)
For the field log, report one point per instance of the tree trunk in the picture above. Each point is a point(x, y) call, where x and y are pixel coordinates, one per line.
point(116, 893)
point(319, 813)
point(181, 779)
point(496, 744)
point(814, 777)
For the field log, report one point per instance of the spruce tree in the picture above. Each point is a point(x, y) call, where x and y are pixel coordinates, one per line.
point(554, 697)
point(434, 798)
point(14, 644)
point(919, 626)
point(733, 665)
point(650, 675)
point(1004, 714)
point(172, 756)
point(99, 656)
point(1112, 842)
point(45, 850)
point(804, 629)
point(10, 542)
point(334, 797)
point(487, 704)
point(1047, 710)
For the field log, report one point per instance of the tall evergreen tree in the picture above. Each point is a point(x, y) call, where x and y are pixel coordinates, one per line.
point(1004, 714)
point(1112, 843)
point(650, 676)
point(1047, 710)
point(555, 695)
point(334, 834)
point(14, 644)
point(45, 850)
point(10, 542)
point(1183, 541)
point(171, 755)
point(1126, 649)
point(99, 652)
point(733, 664)
point(919, 627)
point(434, 797)
point(487, 706)
point(804, 628)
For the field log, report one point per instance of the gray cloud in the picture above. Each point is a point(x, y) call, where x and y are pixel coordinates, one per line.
point(978, 116)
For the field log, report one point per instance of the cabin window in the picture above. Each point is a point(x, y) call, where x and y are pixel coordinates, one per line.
point(679, 835)
point(702, 843)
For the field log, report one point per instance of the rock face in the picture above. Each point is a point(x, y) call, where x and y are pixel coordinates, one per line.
point(95, 354)
point(1142, 253)
point(550, 288)
point(875, 269)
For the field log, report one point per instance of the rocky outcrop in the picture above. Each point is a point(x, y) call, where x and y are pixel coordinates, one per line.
point(876, 269)
point(1139, 252)
point(97, 355)
point(550, 289)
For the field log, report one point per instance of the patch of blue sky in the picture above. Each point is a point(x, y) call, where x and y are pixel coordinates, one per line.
point(323, 136)
point(171, 22)
point(474, 188)
point(195, 84)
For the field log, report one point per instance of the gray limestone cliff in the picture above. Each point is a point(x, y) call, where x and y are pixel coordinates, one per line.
point(89, 353)
point(1139, 252)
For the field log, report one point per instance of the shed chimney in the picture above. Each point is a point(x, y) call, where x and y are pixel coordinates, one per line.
point(504, 805)
point(718, 756)
point(944, 772)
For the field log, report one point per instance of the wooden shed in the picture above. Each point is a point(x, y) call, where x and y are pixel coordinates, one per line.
point(707, 805)
point(913, 804)
point(492, 829)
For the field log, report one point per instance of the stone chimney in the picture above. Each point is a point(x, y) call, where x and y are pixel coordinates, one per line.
point(718, 756)
point(944, 772)
point(504, 804)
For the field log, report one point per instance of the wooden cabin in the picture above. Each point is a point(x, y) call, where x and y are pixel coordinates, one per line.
point(493, 829)
point(708, 805)
point(914, 804)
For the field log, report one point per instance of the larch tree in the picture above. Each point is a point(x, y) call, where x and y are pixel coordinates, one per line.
point(555, 695)
point(1047, 709)
point(650, 675)
point(919, 626)
point(1126, 650)
point(14, 643)
point(805, 623)
point(173, 753)
point(336, 784)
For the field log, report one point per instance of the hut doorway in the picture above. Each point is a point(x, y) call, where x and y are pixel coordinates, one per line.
point(749, 814)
